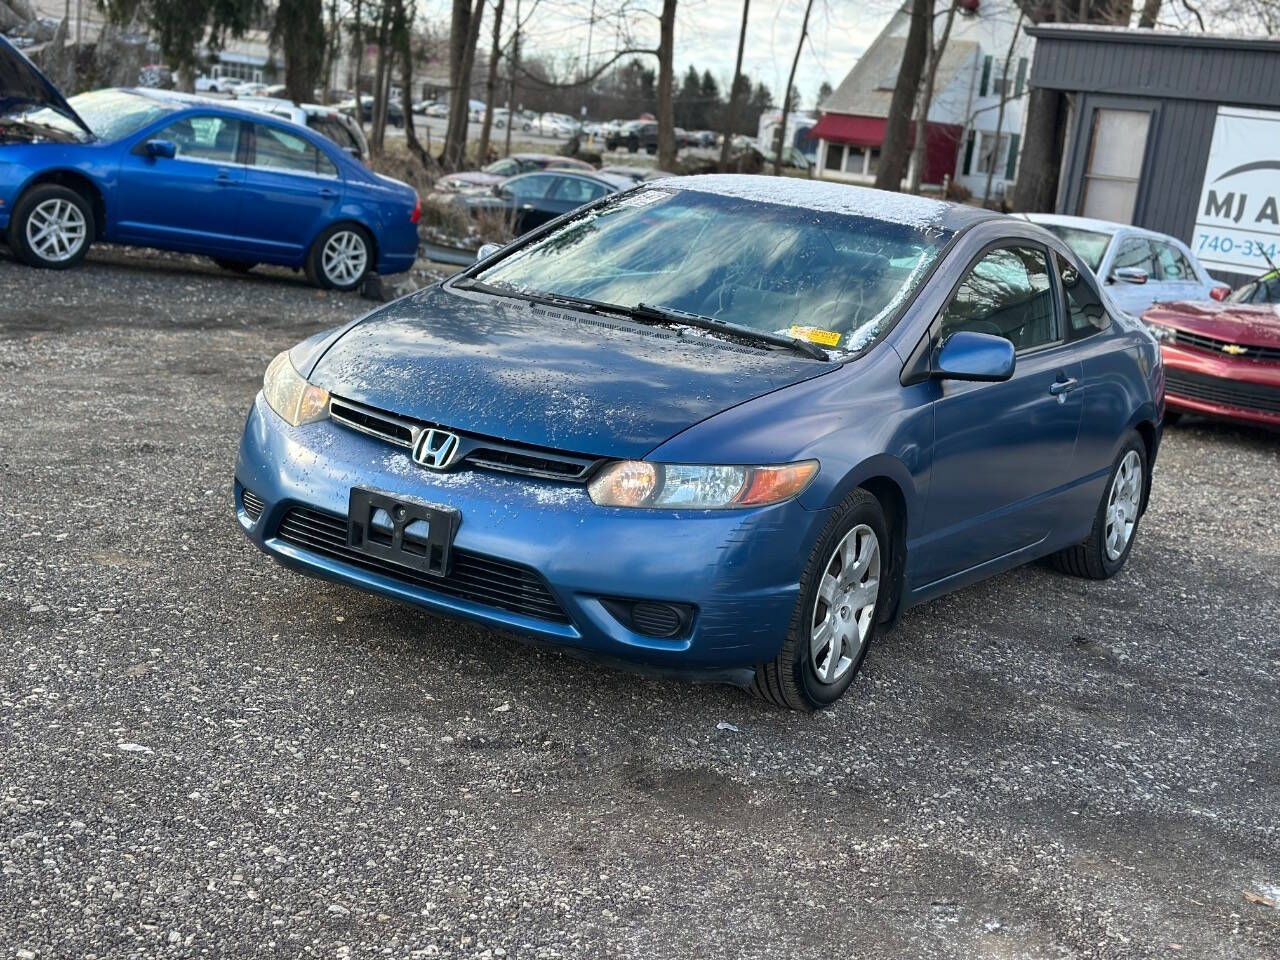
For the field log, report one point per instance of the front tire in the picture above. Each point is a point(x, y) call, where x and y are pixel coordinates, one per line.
point(1115, 525)
point(340, 257)
point(841, 591)
point(51, 227)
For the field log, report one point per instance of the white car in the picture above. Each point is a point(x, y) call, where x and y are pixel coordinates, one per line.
point(215, 84)
point(1136, 267)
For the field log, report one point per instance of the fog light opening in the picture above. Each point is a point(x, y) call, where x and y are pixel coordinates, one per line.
point(650, 618)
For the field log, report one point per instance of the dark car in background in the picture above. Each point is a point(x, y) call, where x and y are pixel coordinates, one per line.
point(633, 136)
point(487, 177)
point(533, 199)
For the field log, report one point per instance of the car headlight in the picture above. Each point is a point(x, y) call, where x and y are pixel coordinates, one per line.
point(1161, 332)
point(638, 483)
point(289, 395)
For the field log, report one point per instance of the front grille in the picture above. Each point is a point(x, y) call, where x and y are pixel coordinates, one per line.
point(252, 504)
point(473, 451)
point(1228, 393)
point(1214, 345)
point(474, 577)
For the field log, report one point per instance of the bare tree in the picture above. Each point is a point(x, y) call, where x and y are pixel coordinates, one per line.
point(666, 106)
point(1150, 10)
point(464, 34)
point(787, 99)
point(299, 30)
point(731, 111)
point(893, 152)
point(919, 149)
point(357, 40)
point(491, 83)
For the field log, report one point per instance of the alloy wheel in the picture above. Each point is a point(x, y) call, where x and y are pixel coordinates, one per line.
point(344, 258)
point(1122, 504)
point(56, 230)
point(846, 604)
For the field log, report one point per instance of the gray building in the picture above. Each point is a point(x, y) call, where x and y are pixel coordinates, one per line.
point(1174, 132)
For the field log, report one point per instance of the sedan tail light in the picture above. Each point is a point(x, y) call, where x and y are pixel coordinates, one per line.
point(417, 210)
point(1220, 293)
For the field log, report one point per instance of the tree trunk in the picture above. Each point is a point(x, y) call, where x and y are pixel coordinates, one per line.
point(666, 106)
point(359, 44)
point(464, 33)
point(299, 29)
point(380, 78)
point(511, 83)
point(491, 85)
point(1004, 98)
point(919, 149)
point(1036, 190)
point(332, 44)
point(1150, 10)
point(786, 97)
point(405, 38)
point(731, 111)
point(893, 152)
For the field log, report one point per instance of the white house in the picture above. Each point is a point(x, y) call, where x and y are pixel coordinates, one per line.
point(975, 73)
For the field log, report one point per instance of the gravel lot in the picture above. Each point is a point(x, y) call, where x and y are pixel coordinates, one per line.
point(204, 754)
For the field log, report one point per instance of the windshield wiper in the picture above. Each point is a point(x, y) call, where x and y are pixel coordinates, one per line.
point(671, 314)
point(649, 311)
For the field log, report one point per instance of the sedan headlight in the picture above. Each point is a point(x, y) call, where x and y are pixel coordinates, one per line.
point(289, 395)
point(638, 483)
point(1161, 332)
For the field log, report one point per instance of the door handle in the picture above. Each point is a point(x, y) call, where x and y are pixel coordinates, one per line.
point(327, 193)
point(224, 179)
point(1060, 387)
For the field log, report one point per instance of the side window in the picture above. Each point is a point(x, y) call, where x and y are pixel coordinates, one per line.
point(1173, 264)
point(529, 188)
point(204, 138)
point(1008, 294)
point(277, 149)
point(576, 190)
point(1085, 311)
point(1136, 252)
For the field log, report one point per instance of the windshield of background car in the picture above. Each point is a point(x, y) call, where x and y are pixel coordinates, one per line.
point(768, 266)
point(1089, 245)
point(113, 114)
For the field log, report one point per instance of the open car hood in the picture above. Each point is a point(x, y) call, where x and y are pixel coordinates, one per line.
point(23, 87)
point(547, 377)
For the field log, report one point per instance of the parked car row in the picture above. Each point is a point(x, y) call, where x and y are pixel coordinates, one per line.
point(1221, 348)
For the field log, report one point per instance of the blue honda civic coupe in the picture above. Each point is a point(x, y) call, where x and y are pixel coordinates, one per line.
point(179, 173)
point(717, 425)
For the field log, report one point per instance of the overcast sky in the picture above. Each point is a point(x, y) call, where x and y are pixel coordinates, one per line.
point(707, 35)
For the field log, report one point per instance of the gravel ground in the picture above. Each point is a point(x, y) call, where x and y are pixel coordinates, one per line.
point(204, 754)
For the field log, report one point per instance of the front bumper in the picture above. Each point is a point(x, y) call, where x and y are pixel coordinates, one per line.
point(1198, 381)
point(739, 569)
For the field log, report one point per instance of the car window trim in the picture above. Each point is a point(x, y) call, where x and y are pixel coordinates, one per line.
point(139, 149)
point(253, 155)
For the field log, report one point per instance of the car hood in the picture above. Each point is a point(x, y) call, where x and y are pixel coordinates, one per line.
point(551, 378)
point(23, 87)
point(1248, 324)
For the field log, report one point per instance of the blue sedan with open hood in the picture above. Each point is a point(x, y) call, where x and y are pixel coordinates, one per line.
point(724, 426)
point(164, 170)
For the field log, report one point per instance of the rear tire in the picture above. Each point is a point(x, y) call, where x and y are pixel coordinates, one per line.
point(1115, 525)
point(51, 227)
point(340, 258)
point(842, 589)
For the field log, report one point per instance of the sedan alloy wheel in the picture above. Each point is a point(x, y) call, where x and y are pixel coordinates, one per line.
point(845, 605)
point(56, 230)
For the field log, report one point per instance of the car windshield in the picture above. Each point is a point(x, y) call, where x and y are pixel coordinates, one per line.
point(112, 114)
point(770, 267)
point(1089, 245)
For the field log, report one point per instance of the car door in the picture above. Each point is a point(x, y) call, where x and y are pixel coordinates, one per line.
point(292, 190)
point(1001, 450)
point(1133, 253)
point(528, 198)
point(192, 200)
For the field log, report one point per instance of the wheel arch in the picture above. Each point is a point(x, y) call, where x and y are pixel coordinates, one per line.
point(81, 184)
point(893, 501)
point(1151, 441)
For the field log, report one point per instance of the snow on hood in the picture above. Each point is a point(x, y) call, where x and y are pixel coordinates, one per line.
point(821, 195)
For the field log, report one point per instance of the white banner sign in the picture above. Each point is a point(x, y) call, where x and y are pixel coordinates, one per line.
point(1238, 220)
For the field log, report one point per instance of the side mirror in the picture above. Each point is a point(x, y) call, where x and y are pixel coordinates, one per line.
point(161, 148)
point(1129, 275)
point(965, 355)
point(487, 250)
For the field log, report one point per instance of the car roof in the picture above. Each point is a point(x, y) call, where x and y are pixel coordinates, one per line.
point(832, 197)
point(1091, 223)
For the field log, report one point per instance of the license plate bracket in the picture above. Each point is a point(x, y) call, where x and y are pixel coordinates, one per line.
point(403, 530)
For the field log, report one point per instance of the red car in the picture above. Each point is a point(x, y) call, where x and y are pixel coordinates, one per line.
point(1221, 359)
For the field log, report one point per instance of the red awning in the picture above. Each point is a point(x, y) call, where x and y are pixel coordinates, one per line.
point(855, 131)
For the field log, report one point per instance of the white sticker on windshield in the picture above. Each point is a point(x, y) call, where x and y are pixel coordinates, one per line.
point(643, 198)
